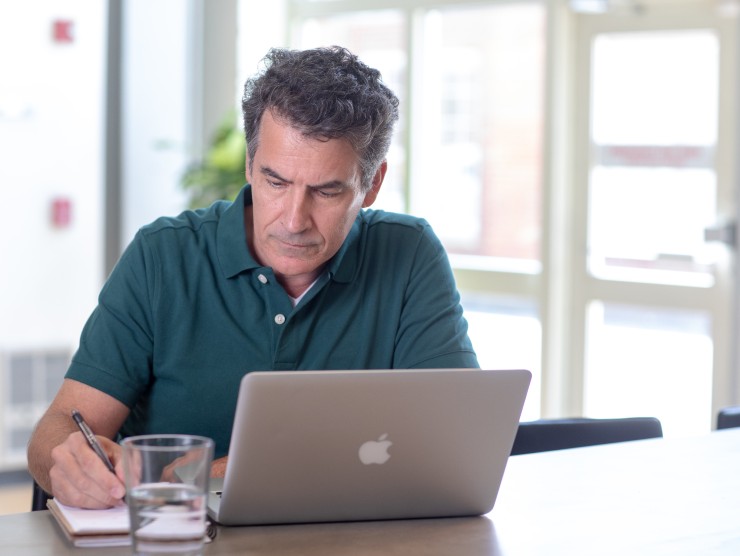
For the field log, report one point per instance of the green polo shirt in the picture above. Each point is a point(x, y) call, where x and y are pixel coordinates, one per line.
point(187, 312)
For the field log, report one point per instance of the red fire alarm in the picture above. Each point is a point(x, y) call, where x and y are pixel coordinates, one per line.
point(62, 31)
point(61, 212)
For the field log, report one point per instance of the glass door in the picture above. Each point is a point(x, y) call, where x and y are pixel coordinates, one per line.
point(654, 184)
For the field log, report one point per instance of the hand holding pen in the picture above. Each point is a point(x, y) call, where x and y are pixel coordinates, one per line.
point(92, 440)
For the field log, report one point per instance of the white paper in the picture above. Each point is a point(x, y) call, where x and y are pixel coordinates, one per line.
point(93, 522)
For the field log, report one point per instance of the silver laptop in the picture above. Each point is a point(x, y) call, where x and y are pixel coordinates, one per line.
point(317, 446)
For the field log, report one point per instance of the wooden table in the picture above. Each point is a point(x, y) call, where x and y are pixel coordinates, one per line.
point(653, 497)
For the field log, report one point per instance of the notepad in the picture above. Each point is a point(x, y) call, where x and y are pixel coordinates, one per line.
point(109, 527)
point(92, 528)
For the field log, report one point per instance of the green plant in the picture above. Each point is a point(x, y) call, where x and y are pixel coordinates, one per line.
point(220, 175)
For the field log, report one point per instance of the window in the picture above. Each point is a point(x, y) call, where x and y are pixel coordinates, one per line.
point(477, 132)
point(467, 155)
point(622, 122)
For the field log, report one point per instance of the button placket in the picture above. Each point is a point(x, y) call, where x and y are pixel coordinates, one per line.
point(275, 304)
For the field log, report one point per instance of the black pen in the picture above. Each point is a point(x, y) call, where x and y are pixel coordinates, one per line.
point(91, 440)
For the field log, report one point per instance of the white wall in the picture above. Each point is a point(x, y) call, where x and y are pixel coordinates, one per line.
point(51, 144)
point(176, 80)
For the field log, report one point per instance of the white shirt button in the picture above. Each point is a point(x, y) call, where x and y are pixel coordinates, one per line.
point(279, 318)
point(262, 278)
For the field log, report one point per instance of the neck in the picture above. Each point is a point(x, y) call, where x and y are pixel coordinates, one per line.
point(297, 285)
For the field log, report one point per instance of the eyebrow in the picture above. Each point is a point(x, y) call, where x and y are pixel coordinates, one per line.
point(333, 184)
point(266, 170)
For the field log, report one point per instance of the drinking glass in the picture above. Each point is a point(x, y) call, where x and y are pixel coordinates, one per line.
point(166, 491)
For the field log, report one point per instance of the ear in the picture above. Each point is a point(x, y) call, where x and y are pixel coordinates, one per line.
point(371, 195)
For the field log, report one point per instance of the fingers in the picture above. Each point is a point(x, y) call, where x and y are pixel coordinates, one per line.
point(218, 467)
point(169, 473)
point(80, 478)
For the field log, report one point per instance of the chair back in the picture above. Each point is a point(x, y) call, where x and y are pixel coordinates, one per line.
point(40, 497)
point(728, 417)
point(557, 434)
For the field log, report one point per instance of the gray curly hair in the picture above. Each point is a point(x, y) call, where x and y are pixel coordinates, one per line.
point(325, 93)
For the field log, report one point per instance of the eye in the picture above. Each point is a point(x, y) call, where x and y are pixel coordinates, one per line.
point(329, 192)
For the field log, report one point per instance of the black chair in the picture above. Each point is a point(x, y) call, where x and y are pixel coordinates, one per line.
point(546, 435)
point(40, 497)
point(728, 417)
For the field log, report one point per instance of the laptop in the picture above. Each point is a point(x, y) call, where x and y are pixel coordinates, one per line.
point(321, 446)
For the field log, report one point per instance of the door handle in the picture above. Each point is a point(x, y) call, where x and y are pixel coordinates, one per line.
point(723, 233)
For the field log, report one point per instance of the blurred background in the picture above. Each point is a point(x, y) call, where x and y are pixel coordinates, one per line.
point(578, 158)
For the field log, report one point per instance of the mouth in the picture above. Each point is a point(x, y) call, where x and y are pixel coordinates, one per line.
point(292, 246)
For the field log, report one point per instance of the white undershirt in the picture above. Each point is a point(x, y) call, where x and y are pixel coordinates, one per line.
point(296, 300)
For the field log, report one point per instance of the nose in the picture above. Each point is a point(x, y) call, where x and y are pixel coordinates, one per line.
point(297, 211)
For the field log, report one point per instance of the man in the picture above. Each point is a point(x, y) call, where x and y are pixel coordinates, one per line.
point(292, 275)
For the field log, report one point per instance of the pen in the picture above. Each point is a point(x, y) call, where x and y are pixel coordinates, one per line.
point(91, 440)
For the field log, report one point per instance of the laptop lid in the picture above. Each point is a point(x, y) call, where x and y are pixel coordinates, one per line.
point(314, 446)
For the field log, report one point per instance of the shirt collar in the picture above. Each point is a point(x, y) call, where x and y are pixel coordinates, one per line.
point(343, 266)
point(233, 252)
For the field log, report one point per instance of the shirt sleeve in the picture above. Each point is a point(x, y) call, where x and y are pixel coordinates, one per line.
point(433, 332)
point(116, 345)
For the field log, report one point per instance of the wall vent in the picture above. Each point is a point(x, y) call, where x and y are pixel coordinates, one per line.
point(30, 380)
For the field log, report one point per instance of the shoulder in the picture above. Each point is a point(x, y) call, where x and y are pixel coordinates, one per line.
point(175, 241)
point(186, 221)
point(393, 223)
point(399, 239)
point(404, 230)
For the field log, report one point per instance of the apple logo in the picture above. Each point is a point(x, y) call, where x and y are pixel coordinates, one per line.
point(375, 451)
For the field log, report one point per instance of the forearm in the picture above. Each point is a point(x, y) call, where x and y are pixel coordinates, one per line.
point(53, 429)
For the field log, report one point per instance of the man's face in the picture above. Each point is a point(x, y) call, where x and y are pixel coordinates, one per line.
point(306, 194)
